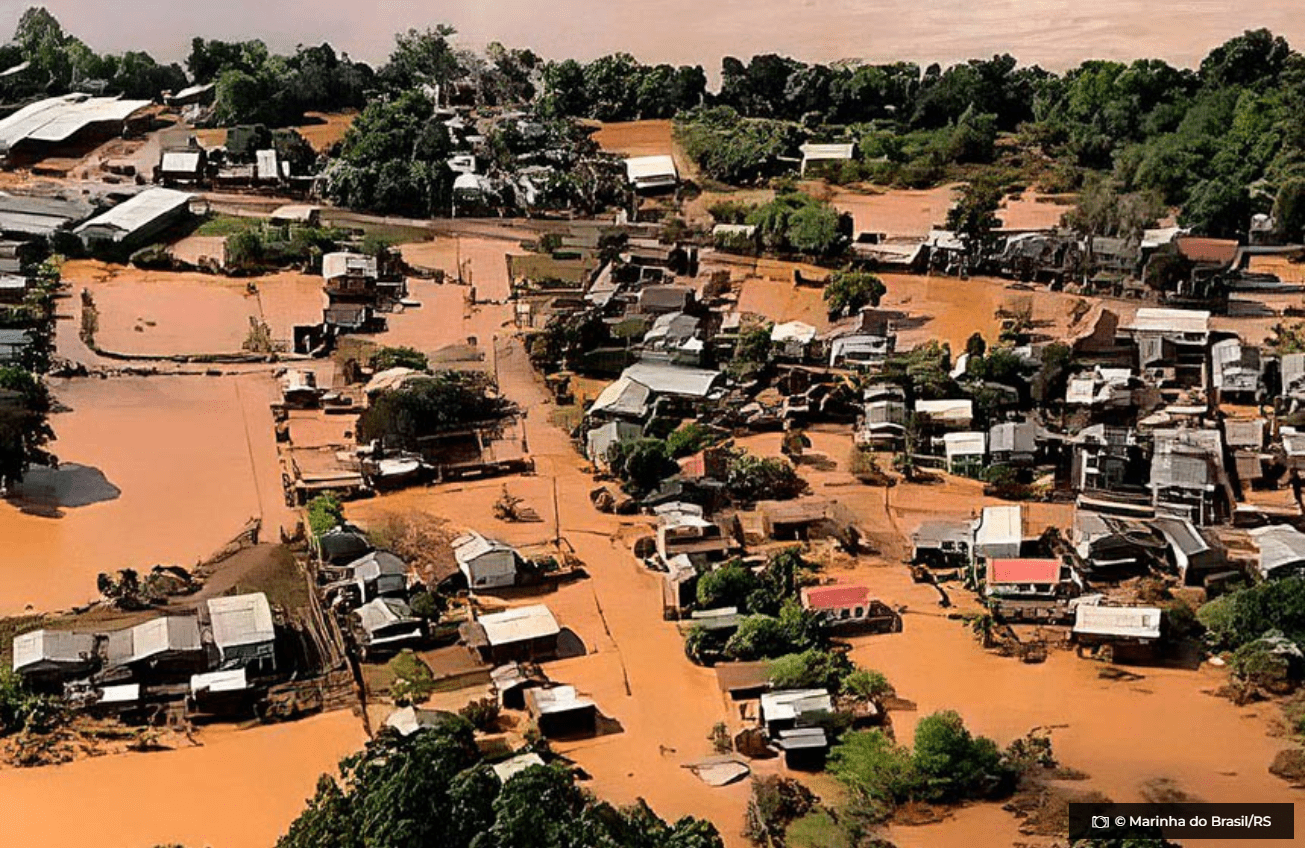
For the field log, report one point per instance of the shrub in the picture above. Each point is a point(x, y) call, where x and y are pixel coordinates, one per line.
point(866, 685)
point(482, 713)
point(325, 513)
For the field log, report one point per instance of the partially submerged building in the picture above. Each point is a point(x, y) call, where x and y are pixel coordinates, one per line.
point(45, 658)
point(522, 633)
point(486, 563)
point(136, 221)
point(243, 631)
point(561, 711)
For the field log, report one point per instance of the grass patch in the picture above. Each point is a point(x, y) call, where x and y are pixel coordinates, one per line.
point(227, 225)
point(818, 829)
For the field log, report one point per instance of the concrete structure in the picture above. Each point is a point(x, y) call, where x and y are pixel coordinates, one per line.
point(999, 532)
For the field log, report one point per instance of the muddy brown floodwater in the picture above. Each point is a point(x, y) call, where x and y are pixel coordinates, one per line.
point(193, 458)
point(239, 789)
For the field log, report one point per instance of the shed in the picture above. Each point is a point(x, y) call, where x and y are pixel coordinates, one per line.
point(651, 173)
point(1192, 555)
point(379, 573)
point(486, 563)
point(942, 544)
point(625, 397)
point(561, 711)
point(521, 633)
point(511, 681)
point(243, 631)
point(408, 720)
point(165, 643)
point(1096, 624)
point(741, 680)
point(805, 748)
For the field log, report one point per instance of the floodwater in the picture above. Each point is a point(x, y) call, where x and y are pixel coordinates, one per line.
point(192, 459)
point(1054, 33)
point(239, 789)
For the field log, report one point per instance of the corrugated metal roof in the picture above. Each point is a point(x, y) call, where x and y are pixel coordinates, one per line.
point(788, 704)
point(241, 620)
point(673, 380)
point(624, 396)
point(1155, 320)
point(139, 211)
point(180, 161)
point(219, 681)
point(956, 410)
point(519, 625)
point(964, 444)
point(164, 634)
point(1280, 546)
point(814, 152)
point(559, 699)
point(644, 169)
point(1000, 525)
point(1130, 622)
point(509, 767)
point(56, 119)
point(473, 545)
point(342, 263)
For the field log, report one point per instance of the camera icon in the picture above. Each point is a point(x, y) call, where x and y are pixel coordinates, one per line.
point(1100, 822)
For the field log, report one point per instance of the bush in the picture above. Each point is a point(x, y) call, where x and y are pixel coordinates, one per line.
point(325, 513)
point(688, 439)
point(482, 713)
point(847, 292)
point(1247, 614)
point(813, 669)
point(641, 464)
point(751, 478)
point(414, 682)
point(399, 357)
point(727, 586)
point(863, 684)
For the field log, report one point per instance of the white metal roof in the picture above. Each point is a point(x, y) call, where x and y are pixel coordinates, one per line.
point(180, 161)
point(219, 681)
point(472, 545)
point(506, 769)
point(58, 118)
point(788, 704)
point(1155, 320)
point(641, 169)
point(792, 331)
point(519, 625)
point(964, 444)
point(122, 694)
point(140, 210)
point(815, 152)
point(1280, 546)
point(163, 634)
point(54, 645)
point(241, 620)
point(672, 379)
point(625, 395)
point(961, 409)
point(265, 165)
point(558, 699)
point(1135, 622)
point(1000, 525)
point(340, 263)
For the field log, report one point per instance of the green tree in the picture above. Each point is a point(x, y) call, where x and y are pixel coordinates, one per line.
point(428, 405)
point(24, 426)
point(325, 513)
point(848, 291)
point(728, 585)
point(641, 464)
point(973, 216)
point(750, 478)
point(952, 764)
point(1289, 210)
point(399, 357)
point(811, 669)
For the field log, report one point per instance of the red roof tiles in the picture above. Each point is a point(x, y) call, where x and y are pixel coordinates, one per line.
point(1024, 571)
point(838, 596)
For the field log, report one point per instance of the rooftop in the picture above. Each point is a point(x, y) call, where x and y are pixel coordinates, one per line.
point(1024, 571)
point(1134, 622)
point(241, 620)
point(836, 596)
point(139, 210)
point(519, 625)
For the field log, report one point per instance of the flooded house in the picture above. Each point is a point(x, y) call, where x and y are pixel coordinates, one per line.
point(797, 520)
point(999, 532)
point(560, 712)
point(136, 221)
point(1292, 367)
point(1109, 472)
point(1130, 633)
point(943, 544)
point(849, 607)
point(1189, 552)
point(1031, 589)
point(1115, 548)
point(243, 632)
point(47, 658)
point(791, 718)
point(684, 530)
point(1245, 440)
point(161, 648)
point(517, 634)
point(600, 440)
point(486, 563)
point(387, 624)
point(513, 680)
point(1102, 388)
point(25, 217)
point(882, 424)
point(1281, 551)
point(376, 574)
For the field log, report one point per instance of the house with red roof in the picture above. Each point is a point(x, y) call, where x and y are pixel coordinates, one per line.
point(1031, 589)
point(849, 606)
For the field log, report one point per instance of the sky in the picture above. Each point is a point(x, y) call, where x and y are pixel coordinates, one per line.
point(1054, 33)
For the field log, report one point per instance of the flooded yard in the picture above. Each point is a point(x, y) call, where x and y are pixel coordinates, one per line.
point(187, 460)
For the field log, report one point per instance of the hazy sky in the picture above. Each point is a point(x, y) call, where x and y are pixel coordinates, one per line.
point(1054, 33)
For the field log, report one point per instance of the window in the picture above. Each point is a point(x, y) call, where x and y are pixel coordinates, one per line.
point(860, 612)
